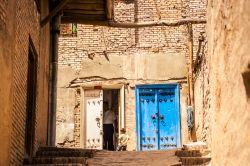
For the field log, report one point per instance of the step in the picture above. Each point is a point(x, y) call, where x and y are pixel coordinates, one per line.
point(135, 158)
point(64, 152)
point(72, 164)
point(195, 146)
point(188, 153)
point(58, 160)
point(194, 160)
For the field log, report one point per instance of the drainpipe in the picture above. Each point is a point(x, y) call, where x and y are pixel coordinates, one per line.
point(191, 82)
point(53, 80)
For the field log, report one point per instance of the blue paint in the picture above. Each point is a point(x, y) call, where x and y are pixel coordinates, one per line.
point(157, 117)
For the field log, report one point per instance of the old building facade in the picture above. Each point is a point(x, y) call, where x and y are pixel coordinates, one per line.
point(120, 60)
point(24, 58)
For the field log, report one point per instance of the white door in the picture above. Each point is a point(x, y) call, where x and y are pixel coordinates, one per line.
point(93, 101)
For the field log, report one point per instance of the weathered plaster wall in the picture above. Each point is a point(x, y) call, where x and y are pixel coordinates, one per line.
point(20, 20)
point(100, 55)
point(229, 59)
point(203, 115)
point(65, 116)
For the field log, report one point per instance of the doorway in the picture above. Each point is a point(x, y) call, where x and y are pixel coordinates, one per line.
point(158, 117)
point(93, 114)
point(31, 103)
point(111, 99)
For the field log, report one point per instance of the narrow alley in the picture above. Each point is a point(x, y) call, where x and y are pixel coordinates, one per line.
point(124, 83)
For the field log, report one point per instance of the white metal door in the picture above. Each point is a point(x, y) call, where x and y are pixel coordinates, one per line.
point(93, 101)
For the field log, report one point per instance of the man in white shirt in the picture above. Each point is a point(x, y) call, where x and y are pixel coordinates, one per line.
point(109, 120)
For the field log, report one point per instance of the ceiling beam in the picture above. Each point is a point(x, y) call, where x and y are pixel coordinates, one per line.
point(54, 11)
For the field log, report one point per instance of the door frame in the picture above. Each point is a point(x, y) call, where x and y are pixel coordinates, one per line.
point(177, 107)
point(121, 110)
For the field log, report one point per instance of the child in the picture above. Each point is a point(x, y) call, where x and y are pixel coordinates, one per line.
point(122, 140)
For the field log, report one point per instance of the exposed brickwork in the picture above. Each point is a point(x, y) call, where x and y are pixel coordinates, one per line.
point(77, 127)
point(3, 7)
point(27, 24)
point(94, 40)
point(68, 29)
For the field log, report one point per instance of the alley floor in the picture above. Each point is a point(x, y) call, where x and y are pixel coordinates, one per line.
point(134, 158)
point(53, 156)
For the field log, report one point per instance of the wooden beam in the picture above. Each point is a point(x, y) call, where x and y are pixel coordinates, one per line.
point(103, 22)
point(109, 9)
point(156, 23)
point(191, 84)
point(54, 12)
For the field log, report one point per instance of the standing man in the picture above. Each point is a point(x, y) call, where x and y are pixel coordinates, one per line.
point(109, 119)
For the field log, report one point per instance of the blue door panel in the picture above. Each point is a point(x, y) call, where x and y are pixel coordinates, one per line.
point(158, 118)
point(149, 121)
point(167, 119)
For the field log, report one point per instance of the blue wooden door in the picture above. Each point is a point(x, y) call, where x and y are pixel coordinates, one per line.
point(158, 118)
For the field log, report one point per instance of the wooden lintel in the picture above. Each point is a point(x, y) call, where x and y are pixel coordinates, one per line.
point(157, 23)
point(54, 12)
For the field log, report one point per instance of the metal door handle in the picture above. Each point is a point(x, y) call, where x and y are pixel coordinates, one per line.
point(98, 121)
point(153, 117)
point(161, 117)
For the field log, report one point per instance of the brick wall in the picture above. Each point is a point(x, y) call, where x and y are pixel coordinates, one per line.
point(27, 19)
point(3, 7)
point(22, 22)
point(119, 55)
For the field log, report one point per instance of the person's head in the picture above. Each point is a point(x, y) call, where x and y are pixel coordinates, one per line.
point(105, 106)
point(123, 131)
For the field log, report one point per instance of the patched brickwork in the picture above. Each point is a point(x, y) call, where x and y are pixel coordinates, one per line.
point(77, 127)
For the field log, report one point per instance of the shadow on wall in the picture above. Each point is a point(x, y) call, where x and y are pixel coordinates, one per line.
point(246, 79)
